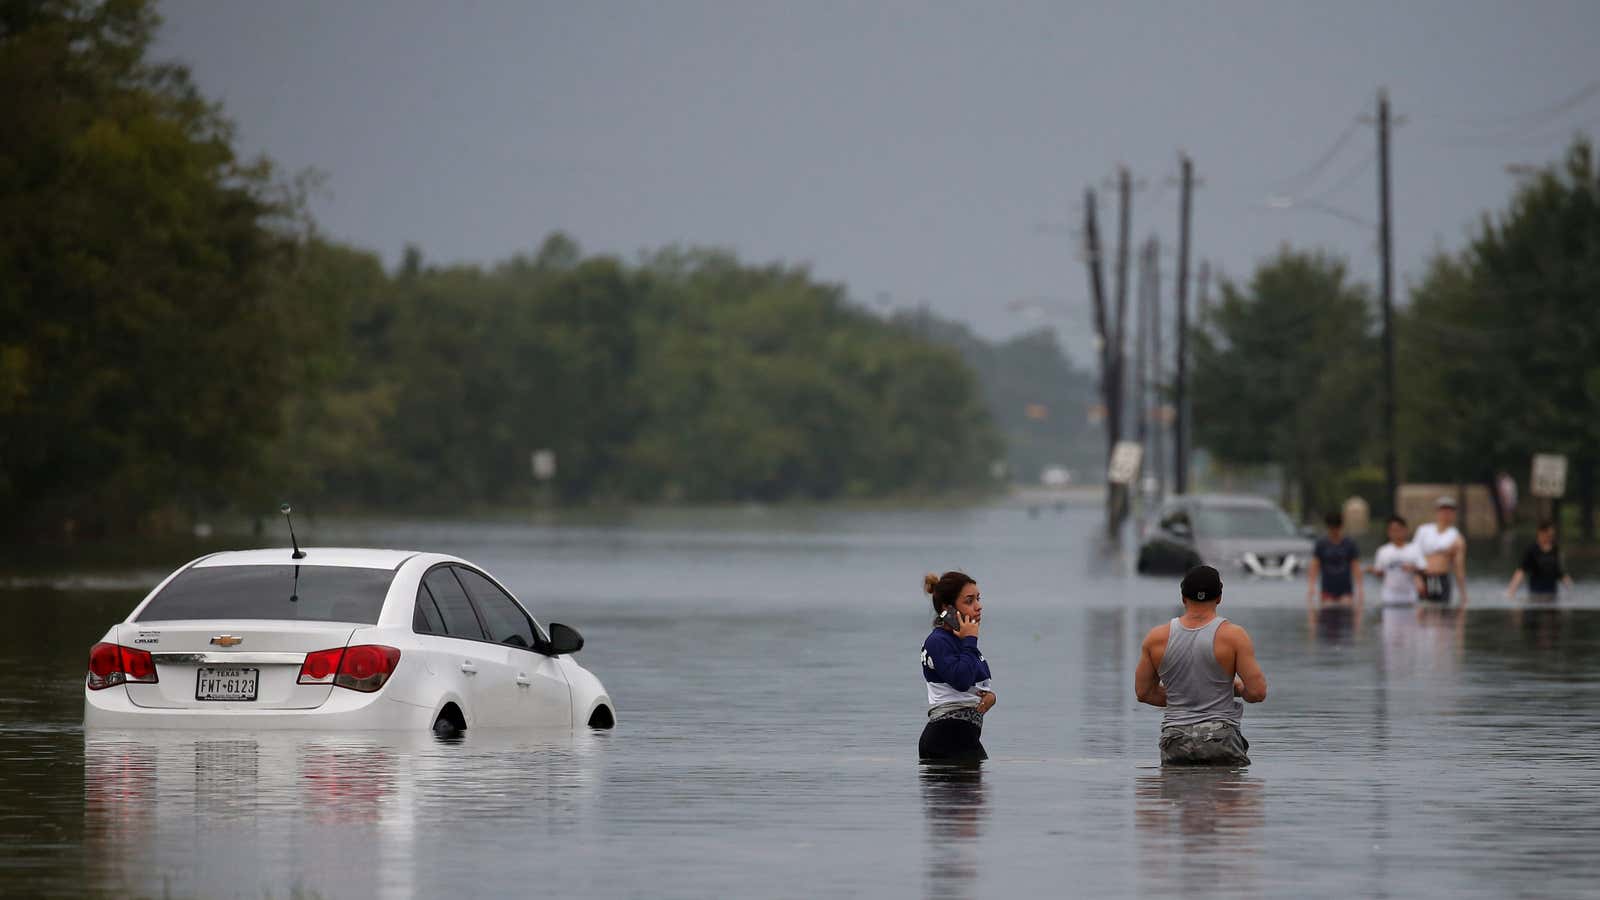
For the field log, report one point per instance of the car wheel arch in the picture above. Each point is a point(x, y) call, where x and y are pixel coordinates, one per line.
point(452, 711)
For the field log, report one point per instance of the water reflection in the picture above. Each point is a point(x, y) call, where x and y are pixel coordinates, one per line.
point(955, 808)
point(119, 785)
point(1423, 639)
point(250, 811)
point(1200, 827)
point(1335, 623)
point(1541, 623)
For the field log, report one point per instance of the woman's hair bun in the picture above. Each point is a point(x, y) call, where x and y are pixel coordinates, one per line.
point(928, 581)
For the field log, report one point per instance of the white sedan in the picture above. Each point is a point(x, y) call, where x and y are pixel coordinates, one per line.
point(338, 639)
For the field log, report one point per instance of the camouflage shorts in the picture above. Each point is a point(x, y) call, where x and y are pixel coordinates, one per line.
point(1205, 744)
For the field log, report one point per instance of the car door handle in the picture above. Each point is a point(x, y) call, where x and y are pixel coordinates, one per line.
point(523, 679)
point(469, 668)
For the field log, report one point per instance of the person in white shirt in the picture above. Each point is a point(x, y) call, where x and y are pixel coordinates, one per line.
point(1445, 552)
point(1400, 565)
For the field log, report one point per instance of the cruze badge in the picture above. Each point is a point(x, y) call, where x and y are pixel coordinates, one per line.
point(226, 640)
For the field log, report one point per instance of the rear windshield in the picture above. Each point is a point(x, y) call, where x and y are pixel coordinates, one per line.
point(307, 593)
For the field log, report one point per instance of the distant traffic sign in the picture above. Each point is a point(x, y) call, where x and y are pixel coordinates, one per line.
point(1125, 459)
point(544, 464)
point(1549, 475)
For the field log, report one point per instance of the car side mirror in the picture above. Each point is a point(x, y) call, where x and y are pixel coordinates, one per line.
point(563, 639)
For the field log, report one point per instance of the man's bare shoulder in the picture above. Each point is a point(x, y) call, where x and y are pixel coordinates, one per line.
point(1158, 635)
point(1232, 632)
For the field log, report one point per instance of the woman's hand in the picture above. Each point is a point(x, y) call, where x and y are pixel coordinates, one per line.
point(985, 701)
point(966, 627)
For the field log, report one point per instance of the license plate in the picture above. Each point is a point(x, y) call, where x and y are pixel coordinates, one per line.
point(231, 683)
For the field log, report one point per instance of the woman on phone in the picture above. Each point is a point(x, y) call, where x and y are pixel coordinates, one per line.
point(959, 687)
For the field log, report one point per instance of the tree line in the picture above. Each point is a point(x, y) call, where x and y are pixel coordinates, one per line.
point(1496, 356)
point(181, 340)
point(684, 376)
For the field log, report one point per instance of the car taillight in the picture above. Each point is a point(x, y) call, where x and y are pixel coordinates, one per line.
point(111, 665)
point(364, 667)
point(138, 665)
point(319, 667)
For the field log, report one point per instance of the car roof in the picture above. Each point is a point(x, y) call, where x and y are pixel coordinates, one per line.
point(1225, 500)
point(347, 557)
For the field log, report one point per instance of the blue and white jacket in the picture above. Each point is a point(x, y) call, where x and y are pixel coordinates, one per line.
point(954, 669)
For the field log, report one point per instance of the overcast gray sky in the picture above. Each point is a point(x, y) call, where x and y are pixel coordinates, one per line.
point(908, 150)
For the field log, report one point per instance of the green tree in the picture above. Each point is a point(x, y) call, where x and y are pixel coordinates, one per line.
point(1284, 373)
point(340, 393)
point(141, 365)
point(764, 384)
point(1501, 342)
point(1034, 394)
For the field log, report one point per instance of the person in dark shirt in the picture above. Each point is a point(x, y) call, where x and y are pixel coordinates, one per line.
point(1335, 566)
point(960, 687)
point(1542, 566)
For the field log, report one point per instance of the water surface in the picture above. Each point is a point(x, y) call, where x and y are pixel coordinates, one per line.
point(764, 667)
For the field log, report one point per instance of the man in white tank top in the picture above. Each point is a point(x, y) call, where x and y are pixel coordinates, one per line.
point(1444, 551)
point(1198, 667)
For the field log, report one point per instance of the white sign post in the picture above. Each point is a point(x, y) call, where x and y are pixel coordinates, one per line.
point(1125, 459)
point(544, 464)
point(1549, 476)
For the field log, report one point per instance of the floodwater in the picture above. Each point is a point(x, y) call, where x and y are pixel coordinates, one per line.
point(764, 664)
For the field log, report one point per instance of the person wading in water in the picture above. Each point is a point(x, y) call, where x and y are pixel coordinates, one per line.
point(957, 675)
point(1197, 667)
point(1446, 553)
point(1543, 566)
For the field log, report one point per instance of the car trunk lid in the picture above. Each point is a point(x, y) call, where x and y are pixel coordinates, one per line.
point(231, 664)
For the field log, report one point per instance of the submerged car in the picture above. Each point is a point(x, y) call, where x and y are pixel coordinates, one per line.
point(330, 638)
point(1244, 534)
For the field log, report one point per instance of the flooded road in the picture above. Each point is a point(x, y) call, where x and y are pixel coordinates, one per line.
point(764, 668)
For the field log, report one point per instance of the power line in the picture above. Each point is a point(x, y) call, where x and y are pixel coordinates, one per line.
point(1351, 174)
point(1530, 119)
point(1322, 162)
point(1514, 138)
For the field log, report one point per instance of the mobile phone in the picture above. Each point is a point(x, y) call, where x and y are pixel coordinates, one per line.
point(950, 619)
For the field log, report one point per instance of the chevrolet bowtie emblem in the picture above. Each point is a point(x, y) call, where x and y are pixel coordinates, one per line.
point(226, 640)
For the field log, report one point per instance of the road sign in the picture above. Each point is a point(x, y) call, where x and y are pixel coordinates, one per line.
point(1549, 475)
point(544, 464)
point(1125, 458)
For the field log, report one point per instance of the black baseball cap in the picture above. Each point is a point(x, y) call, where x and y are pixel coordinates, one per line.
point(1202, 583)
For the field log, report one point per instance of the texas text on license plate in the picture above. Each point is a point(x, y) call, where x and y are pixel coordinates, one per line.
point(230, 683)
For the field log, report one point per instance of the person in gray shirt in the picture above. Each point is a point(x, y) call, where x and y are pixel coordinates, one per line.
point(1198, 667)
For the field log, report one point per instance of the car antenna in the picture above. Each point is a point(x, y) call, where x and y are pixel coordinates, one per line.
point(298, 553)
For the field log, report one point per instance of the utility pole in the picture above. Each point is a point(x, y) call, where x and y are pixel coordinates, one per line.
point(1180, 387)
point(1149, 400)
point(1141, 359)
point(1386, 250)
point(1097, 294)
point(1108, 399)
point(1118, 354)
point(1158, 444)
